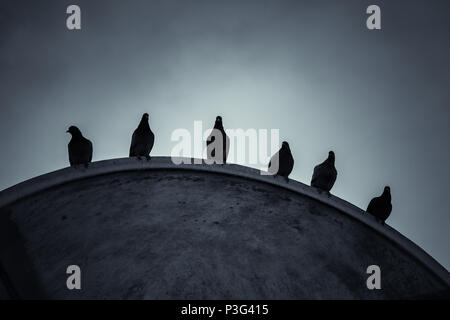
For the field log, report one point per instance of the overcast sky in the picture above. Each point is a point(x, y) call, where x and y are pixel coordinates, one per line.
point(379, 99)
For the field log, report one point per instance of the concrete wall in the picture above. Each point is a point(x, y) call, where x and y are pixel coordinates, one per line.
point(153, 230)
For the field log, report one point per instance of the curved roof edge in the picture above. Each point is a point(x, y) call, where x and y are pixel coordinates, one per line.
point(55, 178)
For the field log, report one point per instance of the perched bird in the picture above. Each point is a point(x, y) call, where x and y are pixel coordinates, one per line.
point(220, 155)
point(325, 174)
point(142, 140)
point(282, 162)
point(381, 207)
point(80, 148)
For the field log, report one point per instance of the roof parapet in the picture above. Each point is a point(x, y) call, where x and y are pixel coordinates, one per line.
point(69, 174)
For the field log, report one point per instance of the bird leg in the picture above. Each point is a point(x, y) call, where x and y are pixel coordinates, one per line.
point(148, 157)
point(287, 179)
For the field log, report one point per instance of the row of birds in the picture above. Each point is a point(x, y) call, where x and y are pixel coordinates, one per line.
point(281, 163)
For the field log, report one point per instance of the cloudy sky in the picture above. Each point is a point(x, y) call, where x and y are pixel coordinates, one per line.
point(379, 99)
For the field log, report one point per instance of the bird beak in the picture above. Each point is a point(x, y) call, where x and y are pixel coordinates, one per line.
point(67, 131)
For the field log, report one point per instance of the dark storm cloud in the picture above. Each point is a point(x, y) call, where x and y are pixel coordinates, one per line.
point(379, 99)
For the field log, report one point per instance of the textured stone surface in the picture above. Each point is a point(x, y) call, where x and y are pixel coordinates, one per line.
point(163, 234)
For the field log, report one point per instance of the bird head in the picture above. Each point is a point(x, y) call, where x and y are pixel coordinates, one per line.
point(331, 156)
point(145, 116)
point(74, 131)
point(218, 124)
point(284, 144)
point(387, 192)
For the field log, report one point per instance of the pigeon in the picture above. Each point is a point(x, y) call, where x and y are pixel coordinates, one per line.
point(142, 140)
point(219, 156)
point(80, 148)
point(381, 207)
point(282, 162)
point(324, 175)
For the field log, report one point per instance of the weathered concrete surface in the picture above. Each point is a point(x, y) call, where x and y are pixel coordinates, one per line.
point(152, 230)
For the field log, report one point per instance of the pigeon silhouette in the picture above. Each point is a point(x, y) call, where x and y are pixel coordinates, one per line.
point(142, 140)
point(381, 207)
point(80, 148)
point(325, 174)
point(282, 162)
point(219, 156)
